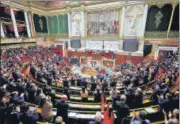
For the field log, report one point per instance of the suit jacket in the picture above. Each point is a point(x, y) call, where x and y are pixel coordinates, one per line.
point(62, 109)
point(122, 111)
point(13, 118)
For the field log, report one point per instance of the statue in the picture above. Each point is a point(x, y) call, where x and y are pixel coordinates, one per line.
point(132, 21)
point(132, 17)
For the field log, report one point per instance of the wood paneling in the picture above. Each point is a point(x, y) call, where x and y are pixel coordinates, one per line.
point(160, 42)
point(119, 58)
point(163, 42)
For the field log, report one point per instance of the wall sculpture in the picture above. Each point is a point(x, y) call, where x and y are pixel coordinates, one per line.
point(133, 20)
point(76, 23)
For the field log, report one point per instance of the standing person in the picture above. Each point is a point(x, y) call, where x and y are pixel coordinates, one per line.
point(97, 95)
point(62, 108)
point(84, 94)
point(46, 110)
point(122, 110)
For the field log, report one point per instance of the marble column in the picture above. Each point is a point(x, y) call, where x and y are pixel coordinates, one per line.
point(69, 24)
point(27, 24)
point(31, 24)
point(82, 22)
point(69, 44)
point(141, 42)
point(14, 23)
point(2, 31)
point(121, 34)
point(170, 22)
point(144, 19)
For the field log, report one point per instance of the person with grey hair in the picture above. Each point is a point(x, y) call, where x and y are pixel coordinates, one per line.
point(59, 120)
point(122, 110)
point(98, 119)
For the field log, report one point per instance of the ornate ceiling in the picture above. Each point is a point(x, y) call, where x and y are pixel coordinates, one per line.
point(51, 4)
point(55, 4)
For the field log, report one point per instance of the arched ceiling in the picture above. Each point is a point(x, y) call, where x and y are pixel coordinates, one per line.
point(56, 4)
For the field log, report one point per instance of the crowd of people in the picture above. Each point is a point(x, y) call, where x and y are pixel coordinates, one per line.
point(50, 69)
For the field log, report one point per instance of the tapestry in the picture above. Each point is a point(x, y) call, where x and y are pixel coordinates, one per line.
point(40, 24)
point(103, 23)
point(158, 20)
point(76, 43)
point(76, 23)
point(63, 25)
point(52, 25)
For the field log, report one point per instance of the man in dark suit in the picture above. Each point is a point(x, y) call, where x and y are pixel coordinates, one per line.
point(122, 110)
point(62, 108)
point(65, 82)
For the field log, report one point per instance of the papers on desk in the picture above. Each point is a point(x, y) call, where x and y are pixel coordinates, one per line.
point(85, 116)
point(54, 113)
point(72, 115)
point(149, 110)
point(81, 116)
point(32, 109)
point(75, 88)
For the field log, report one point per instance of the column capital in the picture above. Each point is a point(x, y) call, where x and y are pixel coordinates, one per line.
point(68, 10)
point(82, 7)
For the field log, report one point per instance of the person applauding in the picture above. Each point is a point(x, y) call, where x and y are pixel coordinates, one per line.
point(84, 94)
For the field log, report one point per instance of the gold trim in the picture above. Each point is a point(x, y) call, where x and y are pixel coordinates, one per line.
point(155, 34)
point(63, 7)
point(171, 19)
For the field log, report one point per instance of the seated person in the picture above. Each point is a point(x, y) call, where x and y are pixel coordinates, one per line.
point(98, 119)
point(72, 81)
point(97, 95)
point(84, 94)
point(28, 116)
point(78, 81)
point(140, 119)
point(173, 118)
point(65, 82)
point(59, 120)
